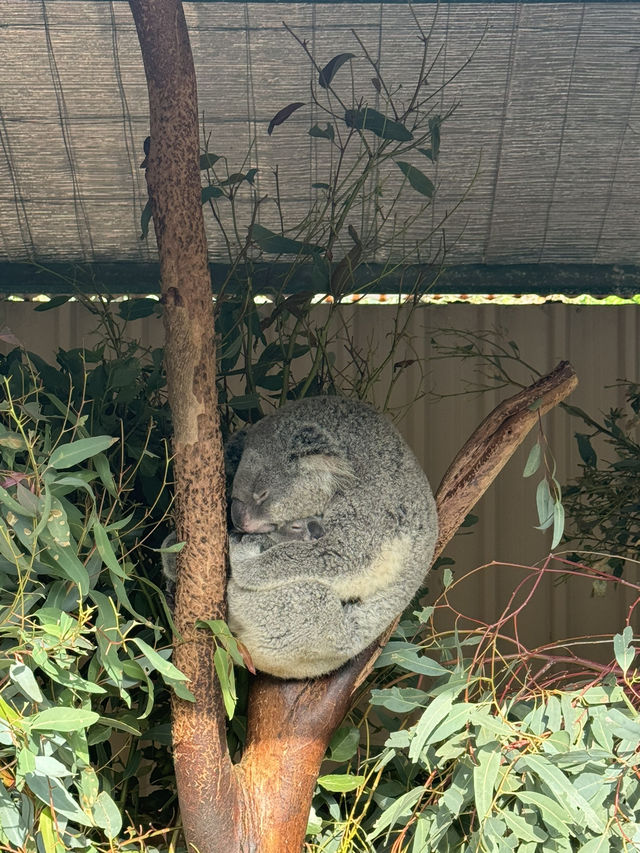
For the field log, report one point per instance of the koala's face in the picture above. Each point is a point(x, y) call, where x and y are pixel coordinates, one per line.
point(282, 477)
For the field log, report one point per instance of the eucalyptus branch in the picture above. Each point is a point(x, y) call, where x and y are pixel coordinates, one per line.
point(376, 68)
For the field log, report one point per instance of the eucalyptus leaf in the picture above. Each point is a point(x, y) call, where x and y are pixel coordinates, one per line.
point(322, 133)
point(435, 123)
point(436, 711)
point(50, 791)
point(60, 720)
point(409, 657)
point(344, 743)
point(533, 460)
point(101, 464)
point(157, 662)
point(340, 782)
point(400, 808)
point(522, 829)
point(105, 549)
point(49, 833)
point(25, 679)
point(400, 699)
point(137, 309)
point(68, 455)
point(208, 160)
point(46, 765)
point(544, 504)
point(57, 301)
point(585, 449)
point(12, 504)
point(558, 523)
point(555, 816)
point(223, 664)
point(107, 816)
point(277, 244)
point(485, 775)
point(145, 220)
point(563, 789)
point(418, 180)
point(370, 119)
point(11, 823)
point(88, 786)
point(209, 193)
point(283, 114)
point(625, 653)
point(330, 70)
point(67, 563)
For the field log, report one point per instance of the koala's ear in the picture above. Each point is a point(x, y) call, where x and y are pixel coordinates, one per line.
point(311, 439)
point(319, 456)
point(328, 470)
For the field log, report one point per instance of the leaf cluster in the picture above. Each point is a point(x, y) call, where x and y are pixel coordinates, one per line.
point(83, 653)
point(477, 753)
point(603, 501)
point(597, 511)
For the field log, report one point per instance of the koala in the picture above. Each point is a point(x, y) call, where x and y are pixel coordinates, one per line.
point(304, 607)
point(241, 547)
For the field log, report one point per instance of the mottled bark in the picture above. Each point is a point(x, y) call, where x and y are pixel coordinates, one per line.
point(207, 785)
point(262, 804)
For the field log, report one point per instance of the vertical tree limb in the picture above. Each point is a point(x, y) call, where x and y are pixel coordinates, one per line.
point(207, 786)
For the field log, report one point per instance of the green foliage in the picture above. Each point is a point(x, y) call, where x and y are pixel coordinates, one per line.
point(84, 668)
point(599, 510)
point(549, 491)
point(226, 654)
point(491, 753)
point(275, 341)
point(603, 502)
point(357, 191)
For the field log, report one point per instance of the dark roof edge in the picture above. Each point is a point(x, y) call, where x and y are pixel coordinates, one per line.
point(125, 277)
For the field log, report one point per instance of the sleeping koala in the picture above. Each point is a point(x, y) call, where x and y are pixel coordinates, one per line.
point(303, 608)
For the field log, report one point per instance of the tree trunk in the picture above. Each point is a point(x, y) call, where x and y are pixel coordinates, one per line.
point(262, 804)
point(207, 787)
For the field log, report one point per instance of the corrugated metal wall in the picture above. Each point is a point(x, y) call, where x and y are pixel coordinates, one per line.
point(602, 342)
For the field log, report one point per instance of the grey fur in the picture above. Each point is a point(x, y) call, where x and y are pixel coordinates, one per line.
point(303, 608)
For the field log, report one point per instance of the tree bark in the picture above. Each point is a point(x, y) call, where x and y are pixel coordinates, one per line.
point(262, 804)
point(207, 785)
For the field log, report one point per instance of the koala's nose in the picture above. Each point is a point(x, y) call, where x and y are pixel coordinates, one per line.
point(260, 497)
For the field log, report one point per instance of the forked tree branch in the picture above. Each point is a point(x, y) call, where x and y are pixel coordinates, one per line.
point(262, 804)
point(291, 723)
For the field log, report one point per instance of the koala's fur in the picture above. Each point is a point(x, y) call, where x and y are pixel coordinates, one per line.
point(303, 608)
